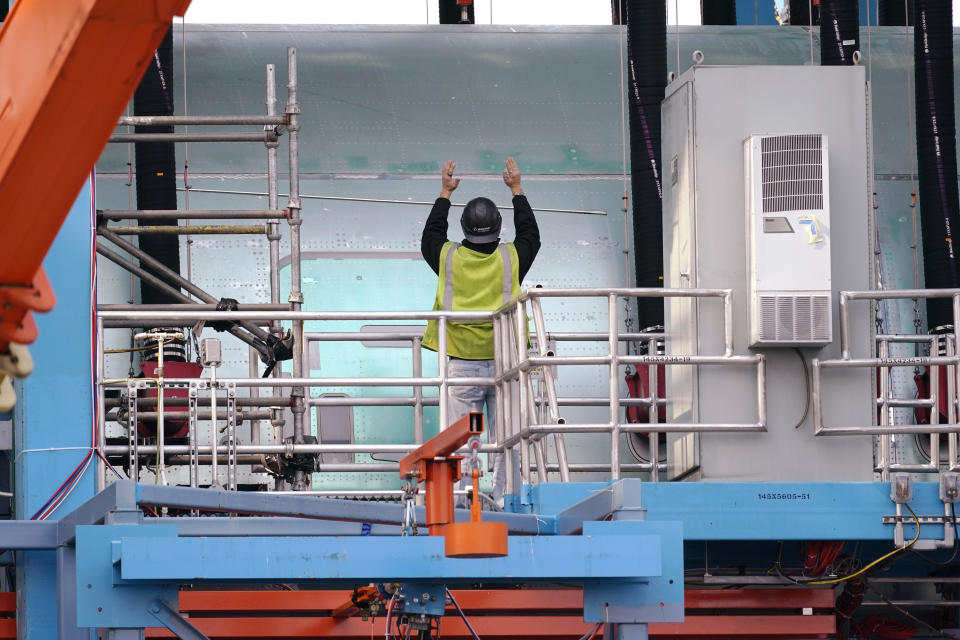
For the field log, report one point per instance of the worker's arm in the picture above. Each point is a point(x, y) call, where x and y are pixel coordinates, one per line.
point(435, 229)
point(527, 241)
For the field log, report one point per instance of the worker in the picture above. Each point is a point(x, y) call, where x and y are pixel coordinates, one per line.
point(478, 274)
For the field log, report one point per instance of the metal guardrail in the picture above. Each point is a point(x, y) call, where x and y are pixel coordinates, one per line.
point(515, 392)
point(939, 365)
point(532, 416)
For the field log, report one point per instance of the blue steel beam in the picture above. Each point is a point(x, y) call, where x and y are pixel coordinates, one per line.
point(311, 507)
point(764, 510)
point(353, 559)
point(28, 534)
point(654, 599)
point(240, 527)
point(786, 510)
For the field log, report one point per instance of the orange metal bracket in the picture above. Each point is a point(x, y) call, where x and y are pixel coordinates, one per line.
point(67, 69)
point(434, 463)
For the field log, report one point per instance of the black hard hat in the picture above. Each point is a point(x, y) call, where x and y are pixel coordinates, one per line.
point(481, 221)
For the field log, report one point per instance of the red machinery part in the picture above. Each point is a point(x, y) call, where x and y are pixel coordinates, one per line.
point(172, 427)
point(638, 386)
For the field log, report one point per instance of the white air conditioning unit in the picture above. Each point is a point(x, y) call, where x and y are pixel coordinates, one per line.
point(788, 218)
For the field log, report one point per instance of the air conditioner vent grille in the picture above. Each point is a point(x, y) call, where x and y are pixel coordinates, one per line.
point(795, 319)
point(792, 173)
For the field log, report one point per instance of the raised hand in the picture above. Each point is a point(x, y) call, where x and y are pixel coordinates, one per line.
point(449, 183)
point(511, 177)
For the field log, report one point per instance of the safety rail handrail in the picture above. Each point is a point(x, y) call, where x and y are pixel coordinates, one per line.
point(134, 318)
point(513, 375)
point(884, 363)
point(512, 364)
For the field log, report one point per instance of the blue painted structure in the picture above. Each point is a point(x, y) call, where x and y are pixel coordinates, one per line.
point(631, 566)
point(53, 418)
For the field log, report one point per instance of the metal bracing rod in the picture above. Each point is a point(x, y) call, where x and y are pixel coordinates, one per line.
point(294, 220)
point(292, 449)
point(188, 230)
point(192, 214)
point(599, 336)
point(192, 306)
point(331, 382)
point(262, 401)
point(169, 290)
point(899, 429)
point(338, 336)
point(202, 414)
point(639, 427)
point(143, 275)
point(273, 234)
point(174, 278)
point(261, 137)
point(307, 316)
point(304, 196)
point(172, 121)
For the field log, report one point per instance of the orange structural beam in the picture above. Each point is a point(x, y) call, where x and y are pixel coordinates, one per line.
point(442, 445)
point(528, 614)
point(67, 70)
point(542, 627)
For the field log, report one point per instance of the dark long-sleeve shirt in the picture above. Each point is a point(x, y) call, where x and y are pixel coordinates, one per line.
point(527, 241)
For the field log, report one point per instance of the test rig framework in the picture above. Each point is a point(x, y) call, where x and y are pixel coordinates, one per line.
point(120, 559)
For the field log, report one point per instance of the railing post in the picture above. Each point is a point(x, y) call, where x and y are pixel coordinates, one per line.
point(613, 329)
point(884, 417)
point(442, 364)
point(417, 390)
point(654, 415)
point(520, 332)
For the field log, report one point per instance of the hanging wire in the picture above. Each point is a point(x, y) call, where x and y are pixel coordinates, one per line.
point(186, 145)
point(676, 30)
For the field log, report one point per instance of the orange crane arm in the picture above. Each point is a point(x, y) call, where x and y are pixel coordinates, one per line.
point(67, 70)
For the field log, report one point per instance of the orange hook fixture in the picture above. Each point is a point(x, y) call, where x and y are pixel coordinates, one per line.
point(434, 463)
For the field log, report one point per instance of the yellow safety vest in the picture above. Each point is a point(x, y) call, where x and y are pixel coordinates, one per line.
point(473, 281)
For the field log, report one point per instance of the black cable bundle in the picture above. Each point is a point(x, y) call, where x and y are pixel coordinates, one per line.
point(451, 12)
point(800, 13)
point(718, 11)
point(156, 168)
point(936, 151)
point(891, 13)
point(615, 16)
point(647, 77)
point(839, 31)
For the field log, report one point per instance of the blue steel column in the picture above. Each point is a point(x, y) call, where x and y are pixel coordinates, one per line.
point(52, 420)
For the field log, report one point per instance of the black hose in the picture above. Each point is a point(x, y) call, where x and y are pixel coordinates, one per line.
point(936, 151)
point(647, 75)
point(156, 168)
point(800, 13)
point(839, 31)
point(891, 13)
point(718, 11)
point(452, 13)
point(615, 16)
